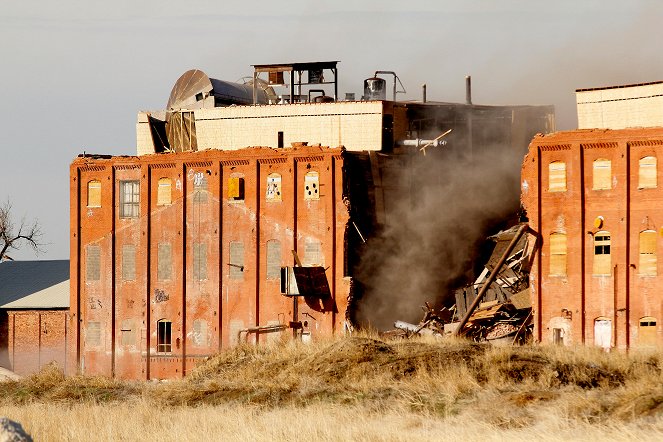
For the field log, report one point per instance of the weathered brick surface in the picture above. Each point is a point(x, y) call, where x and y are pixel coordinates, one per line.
point(576, 300)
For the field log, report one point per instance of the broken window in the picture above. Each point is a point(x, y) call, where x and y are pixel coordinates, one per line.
point(164, 196)
point(279, 141)
point(199, 187)
point(273, 187)
point(647, 173)
point(129, 199)
point(92, 263)
point(647, 335)
point(128, 262)
point(94, 193)
point(236, 188)
point(236, 263)
point(558, 336)
point(602, 174)
point(557, 176)
point(602, 257)
point(648, 253)
point(164, 337)
point(273, 259)
point(312, 186)
point(164, 259)
point(558, 254)
point(199, 261)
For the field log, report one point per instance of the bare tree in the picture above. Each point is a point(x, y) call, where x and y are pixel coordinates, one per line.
point(12, 238)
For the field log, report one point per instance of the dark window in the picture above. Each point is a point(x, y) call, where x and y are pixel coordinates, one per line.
point(164, 336)
point(129, 199)
point(280, 139)
point(558, 336)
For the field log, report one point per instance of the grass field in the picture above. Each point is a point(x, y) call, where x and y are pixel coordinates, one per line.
point(360, 388)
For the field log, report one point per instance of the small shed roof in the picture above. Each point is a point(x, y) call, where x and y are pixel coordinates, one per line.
point(34, 284)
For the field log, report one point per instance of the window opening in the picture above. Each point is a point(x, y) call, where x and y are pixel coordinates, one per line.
point(280, 139)
point(558, 336)
point(602, 258)
point(129, 199)
point(128, 262)
point(164, 195)
point(93, 263)
point(558, 254)
point(273, 187)
point(648, 257)
point(647, 173)
point(94, 193)
point(603, 333)
point(164, 330)
point(557, 176)
point(647, 331)
point(236, 188)
point(602, 174)
point(312, 186)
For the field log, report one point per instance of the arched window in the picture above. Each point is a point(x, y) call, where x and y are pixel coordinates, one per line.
point(648, 253)
point(164, 197)
point(312, 186)
point(602, 257)
point(647, 173)
point(602, 174)
point(558, 254)
point(557, 176)
point(273, 192)
point(164, 336)
point(94, 193)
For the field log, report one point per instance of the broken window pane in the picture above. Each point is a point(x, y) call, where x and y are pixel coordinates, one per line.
point(129, 199)
point(312, 186)
point(164, 336)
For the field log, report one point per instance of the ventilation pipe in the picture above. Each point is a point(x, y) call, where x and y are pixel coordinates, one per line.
point(423, 92)
point(468, 89)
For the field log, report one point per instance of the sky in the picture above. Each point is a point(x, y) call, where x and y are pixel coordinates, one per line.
point(74, 74)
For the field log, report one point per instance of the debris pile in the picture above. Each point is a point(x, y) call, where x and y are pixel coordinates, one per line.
point(496, 307)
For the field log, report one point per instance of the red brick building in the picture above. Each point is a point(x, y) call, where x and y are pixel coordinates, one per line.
point(594, 198)
point(34, 308)
point(175, 256)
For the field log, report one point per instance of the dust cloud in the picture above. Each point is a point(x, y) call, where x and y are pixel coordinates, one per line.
point(443, 213)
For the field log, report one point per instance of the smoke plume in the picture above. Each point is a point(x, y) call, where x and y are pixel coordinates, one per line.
point(444, 211)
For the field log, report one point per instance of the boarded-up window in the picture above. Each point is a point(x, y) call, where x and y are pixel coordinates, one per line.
point(94, 193)
point(236, 188)
point(92, 263)
point(273, 187)
point(128, 332)
point(313, 253)
point(273, 259)
point(199, 187)
point(128, 262)
point(648, 253)
point(93, 334)
point(236, 263)
point(164, 260)
point(164, 336)
point(602, 257)
point(199, 261)
point(557, 176)
point(164, 195)
point(558, 254)
point(312, 186)
point(647, 173)
point(199, 336)
point(647, 332)
point(602, 174)
point(129, 199)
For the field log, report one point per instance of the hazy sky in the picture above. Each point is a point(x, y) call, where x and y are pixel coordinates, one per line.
point(74, 73)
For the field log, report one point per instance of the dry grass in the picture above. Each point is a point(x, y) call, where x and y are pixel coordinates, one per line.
point(360, 388)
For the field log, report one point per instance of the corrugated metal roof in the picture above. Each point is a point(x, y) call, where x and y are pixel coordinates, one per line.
point(34, 284)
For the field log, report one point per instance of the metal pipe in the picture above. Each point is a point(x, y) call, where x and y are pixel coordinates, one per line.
point(522, 229)
point(468, 89)
point(423, 93)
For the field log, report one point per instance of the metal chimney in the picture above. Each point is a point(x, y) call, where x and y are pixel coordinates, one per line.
point(468, 89)
point(423, 92)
